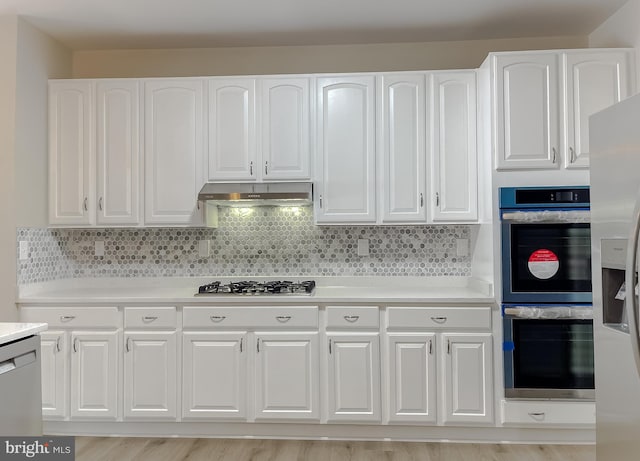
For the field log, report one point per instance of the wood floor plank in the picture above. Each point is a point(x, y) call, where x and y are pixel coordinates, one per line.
point(185, 449)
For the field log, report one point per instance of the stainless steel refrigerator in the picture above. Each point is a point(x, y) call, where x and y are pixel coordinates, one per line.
point(614, 137)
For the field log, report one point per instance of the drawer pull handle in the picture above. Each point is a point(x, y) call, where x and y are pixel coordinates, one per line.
point(67, 318)
point(538, 416)
point(283, 318)
point(351, 318)
point(218, 318)
point(439, 319)
point(148, 318)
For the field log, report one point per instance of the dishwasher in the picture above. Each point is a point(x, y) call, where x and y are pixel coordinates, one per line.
point(20, 388)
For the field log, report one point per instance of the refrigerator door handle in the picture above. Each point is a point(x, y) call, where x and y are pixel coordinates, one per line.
point(631, 280)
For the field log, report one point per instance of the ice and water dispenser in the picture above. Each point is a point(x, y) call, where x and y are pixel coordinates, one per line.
point(614, 255)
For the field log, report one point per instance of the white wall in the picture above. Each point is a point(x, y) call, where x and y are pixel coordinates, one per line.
point(38, 58)
point(8, 40)
point(302, 59)
point(622, 29)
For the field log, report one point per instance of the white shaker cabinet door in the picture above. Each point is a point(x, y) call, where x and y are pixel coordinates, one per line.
point(401, 144)
point(285, 123)
point(287, 377)
point(412, 378)
point(118, 152)
point(214, 374)
point(232, 129)
point(71, 153)
point(346, 187)
point(468, 378)
point(454, 178)
point(54, 362)
point(150, 375)
point(174, 143)
point(527, 111)
point(594, 80)
point(354, 378)
point(94, 375)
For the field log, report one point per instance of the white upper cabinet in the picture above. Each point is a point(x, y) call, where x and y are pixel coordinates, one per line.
point(594, 80)
point(527, 110)
point(71, 153)
point(232, 129)
point(543, 100)
point(285, 124)
point(174, 146)
point(345, 180)
point(401, 147)
point(454, 172)
point(118, 152)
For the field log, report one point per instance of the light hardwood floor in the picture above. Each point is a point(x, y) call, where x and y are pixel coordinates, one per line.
point(180, 449)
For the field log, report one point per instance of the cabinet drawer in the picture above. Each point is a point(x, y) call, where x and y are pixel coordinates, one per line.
point(548, 413)
point(72, 317)
point(435, 318)
point(353, 317)
point(250, 317)
point(150, 317)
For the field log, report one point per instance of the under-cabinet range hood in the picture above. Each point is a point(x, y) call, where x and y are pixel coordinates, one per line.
point(259, 194)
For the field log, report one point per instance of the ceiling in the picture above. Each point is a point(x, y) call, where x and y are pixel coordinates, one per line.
point(104, 24)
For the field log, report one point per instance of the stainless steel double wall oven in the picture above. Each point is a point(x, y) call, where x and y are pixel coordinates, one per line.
point(546, 292)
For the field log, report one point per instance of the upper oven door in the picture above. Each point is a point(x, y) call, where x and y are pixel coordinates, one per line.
point(546, 261)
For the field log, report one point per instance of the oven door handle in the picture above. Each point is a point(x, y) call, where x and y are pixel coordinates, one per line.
point(631, 281)
point(547, 216)
point(555, 312)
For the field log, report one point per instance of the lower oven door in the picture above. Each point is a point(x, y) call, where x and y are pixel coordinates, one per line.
point(548, 352)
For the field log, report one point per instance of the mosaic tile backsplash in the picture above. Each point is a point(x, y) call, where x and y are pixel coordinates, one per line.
point(266, 241)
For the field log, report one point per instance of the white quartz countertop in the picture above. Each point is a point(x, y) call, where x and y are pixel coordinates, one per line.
point(181, 290)
point(12, 331)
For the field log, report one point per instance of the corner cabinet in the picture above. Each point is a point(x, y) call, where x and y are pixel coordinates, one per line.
point(542, 102)
point(174, 151)
point(346, 186)
point(454, 170)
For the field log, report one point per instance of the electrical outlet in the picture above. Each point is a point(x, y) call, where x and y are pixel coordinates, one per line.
point(363, 247)
point(462, 247)
point(24, 250)
point(204, 248)
point(99, 248)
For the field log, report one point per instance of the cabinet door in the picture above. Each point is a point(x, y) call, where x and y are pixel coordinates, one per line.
point(173, 151)
point(594, 81)
point(468, 378)
point(346, 150)
point(454, 176)
point(71, 152)
point(118, 152)
point(214, 375)
point(527, 110)
point(285, 128)
point(54, 360)
point(94, 374)
point(412, 378)
point(232, 132)
point(401, 131)
point(287, 382)
point(150, 375)
point(354, 377)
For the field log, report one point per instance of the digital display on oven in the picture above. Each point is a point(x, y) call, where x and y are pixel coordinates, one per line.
point(543, 196)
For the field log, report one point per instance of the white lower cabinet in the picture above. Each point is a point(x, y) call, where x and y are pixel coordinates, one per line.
point(150, 374)
point(354, 377)
point(214, 375)
point(437, 376)
point(53, 358)
point(94, 374)
point(468, 383)
point(412, 388)
point(287, 376)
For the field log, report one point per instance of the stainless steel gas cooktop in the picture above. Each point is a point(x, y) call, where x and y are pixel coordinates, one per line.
point(248, 287)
